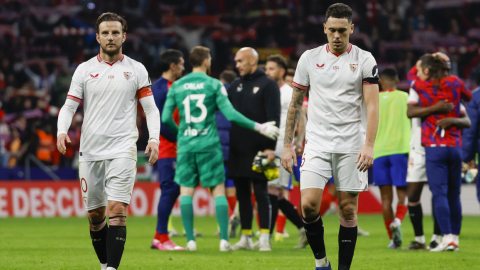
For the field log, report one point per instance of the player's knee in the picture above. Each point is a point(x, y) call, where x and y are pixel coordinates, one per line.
point(310, 209)
point(348, 210)
point(96, 215)
point(117, 209)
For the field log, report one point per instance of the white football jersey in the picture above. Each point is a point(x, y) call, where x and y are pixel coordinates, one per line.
point(416, 140)
point(337, 114)
point(110, 92)
point(286, 92)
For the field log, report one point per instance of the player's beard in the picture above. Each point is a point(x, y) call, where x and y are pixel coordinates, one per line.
point(111, 52)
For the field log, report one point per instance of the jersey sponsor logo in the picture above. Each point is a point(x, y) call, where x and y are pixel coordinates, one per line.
point(336, 67)
point(193, 86)
point(195, 132)
point(94, 76)
point(255, 89)
point(127, 75)
point(239, 88)
point(353, 67)
point(320, 66)
point(111, 77)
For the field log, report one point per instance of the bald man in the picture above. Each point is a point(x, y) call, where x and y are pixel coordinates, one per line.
point(256, 96)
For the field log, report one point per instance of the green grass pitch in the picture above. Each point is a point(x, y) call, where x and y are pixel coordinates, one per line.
point(64, 243)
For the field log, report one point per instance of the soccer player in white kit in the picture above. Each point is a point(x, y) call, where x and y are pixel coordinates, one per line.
point(110, 85)
point(343, 120)
point(276, 68)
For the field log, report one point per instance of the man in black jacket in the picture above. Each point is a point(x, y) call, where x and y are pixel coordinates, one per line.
point(256, 96)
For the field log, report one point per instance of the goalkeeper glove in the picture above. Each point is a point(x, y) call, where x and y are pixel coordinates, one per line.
point(267, 129)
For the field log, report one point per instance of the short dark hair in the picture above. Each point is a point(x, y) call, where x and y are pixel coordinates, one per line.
point(228, 76)
point(198, 55)
point(280, 60)
point(389, 74)
point(108, 17)
point(168, 57)
point(290, 72)
point(339, 11)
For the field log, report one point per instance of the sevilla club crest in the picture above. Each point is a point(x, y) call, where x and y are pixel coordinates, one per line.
point(127, 75)
point(353, 67)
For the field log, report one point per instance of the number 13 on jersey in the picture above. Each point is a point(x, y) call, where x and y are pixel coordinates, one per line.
point(186, 103)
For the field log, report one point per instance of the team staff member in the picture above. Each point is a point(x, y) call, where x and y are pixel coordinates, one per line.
point(258, 98)
point(172, 66)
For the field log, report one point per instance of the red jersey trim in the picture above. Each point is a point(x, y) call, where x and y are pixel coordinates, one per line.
point(299, 86)
point(366, 83)
point(387, 91)
point(74, 98)
point(144, 92)
point(349, 49)
point(111, 64)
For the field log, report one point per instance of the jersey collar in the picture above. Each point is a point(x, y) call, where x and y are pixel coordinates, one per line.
point(387, 91)
point(337, 55)
point(100, 60)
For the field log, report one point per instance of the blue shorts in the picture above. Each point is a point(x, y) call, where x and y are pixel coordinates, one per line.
point(296, 169)
point(228, 182)
point(391, 170)
point(166, 172)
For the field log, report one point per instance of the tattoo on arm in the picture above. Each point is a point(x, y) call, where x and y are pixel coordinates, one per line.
point(294, 112)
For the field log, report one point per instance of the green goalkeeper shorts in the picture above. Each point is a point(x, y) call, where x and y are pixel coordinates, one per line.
point(202, 167)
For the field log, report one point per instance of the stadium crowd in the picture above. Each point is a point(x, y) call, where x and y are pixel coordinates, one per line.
point(42, 42)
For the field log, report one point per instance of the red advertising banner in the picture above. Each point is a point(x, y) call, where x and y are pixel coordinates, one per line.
point(64, 199)
point(50, 199)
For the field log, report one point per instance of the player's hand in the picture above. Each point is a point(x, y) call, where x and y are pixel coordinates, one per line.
point(365, 158)
point(267, 129)
point(446, 122)
point(152, 146)
point(62, 148)
point(443, 107)
point(287, 155)
point(442, 55)
point(270, 154)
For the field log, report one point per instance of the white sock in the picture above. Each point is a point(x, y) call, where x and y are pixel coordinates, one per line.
point(436, 238)
point(103, 266)
point(420, 239)
point(447, 239)
point(265, 236)
point(111, 268)
point(245, 237)
point(322, 262)
point(398, 221)
point(455, 239)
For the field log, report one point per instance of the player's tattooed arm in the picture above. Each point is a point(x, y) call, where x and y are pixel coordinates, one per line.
point(294, 114)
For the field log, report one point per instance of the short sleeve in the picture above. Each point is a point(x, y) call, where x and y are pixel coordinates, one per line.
point(369, 70)
point(413, 97)
point(301, 80)
point(142, 78)
point(75, 92)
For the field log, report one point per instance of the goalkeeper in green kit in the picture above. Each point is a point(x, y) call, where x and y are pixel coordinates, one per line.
point(200, 158)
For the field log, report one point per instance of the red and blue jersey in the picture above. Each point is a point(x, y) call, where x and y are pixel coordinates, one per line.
point(168, 139)
point(430, 92)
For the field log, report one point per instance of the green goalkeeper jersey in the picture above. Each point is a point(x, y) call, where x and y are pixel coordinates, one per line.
point(198, 96)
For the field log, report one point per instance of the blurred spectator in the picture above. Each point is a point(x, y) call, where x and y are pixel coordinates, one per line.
point(14, 146)
point(4, 138)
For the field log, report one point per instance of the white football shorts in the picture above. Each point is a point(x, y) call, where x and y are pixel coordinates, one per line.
point(107, 180)
point(417, 171)
point(284, 179)
point(341, 166)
